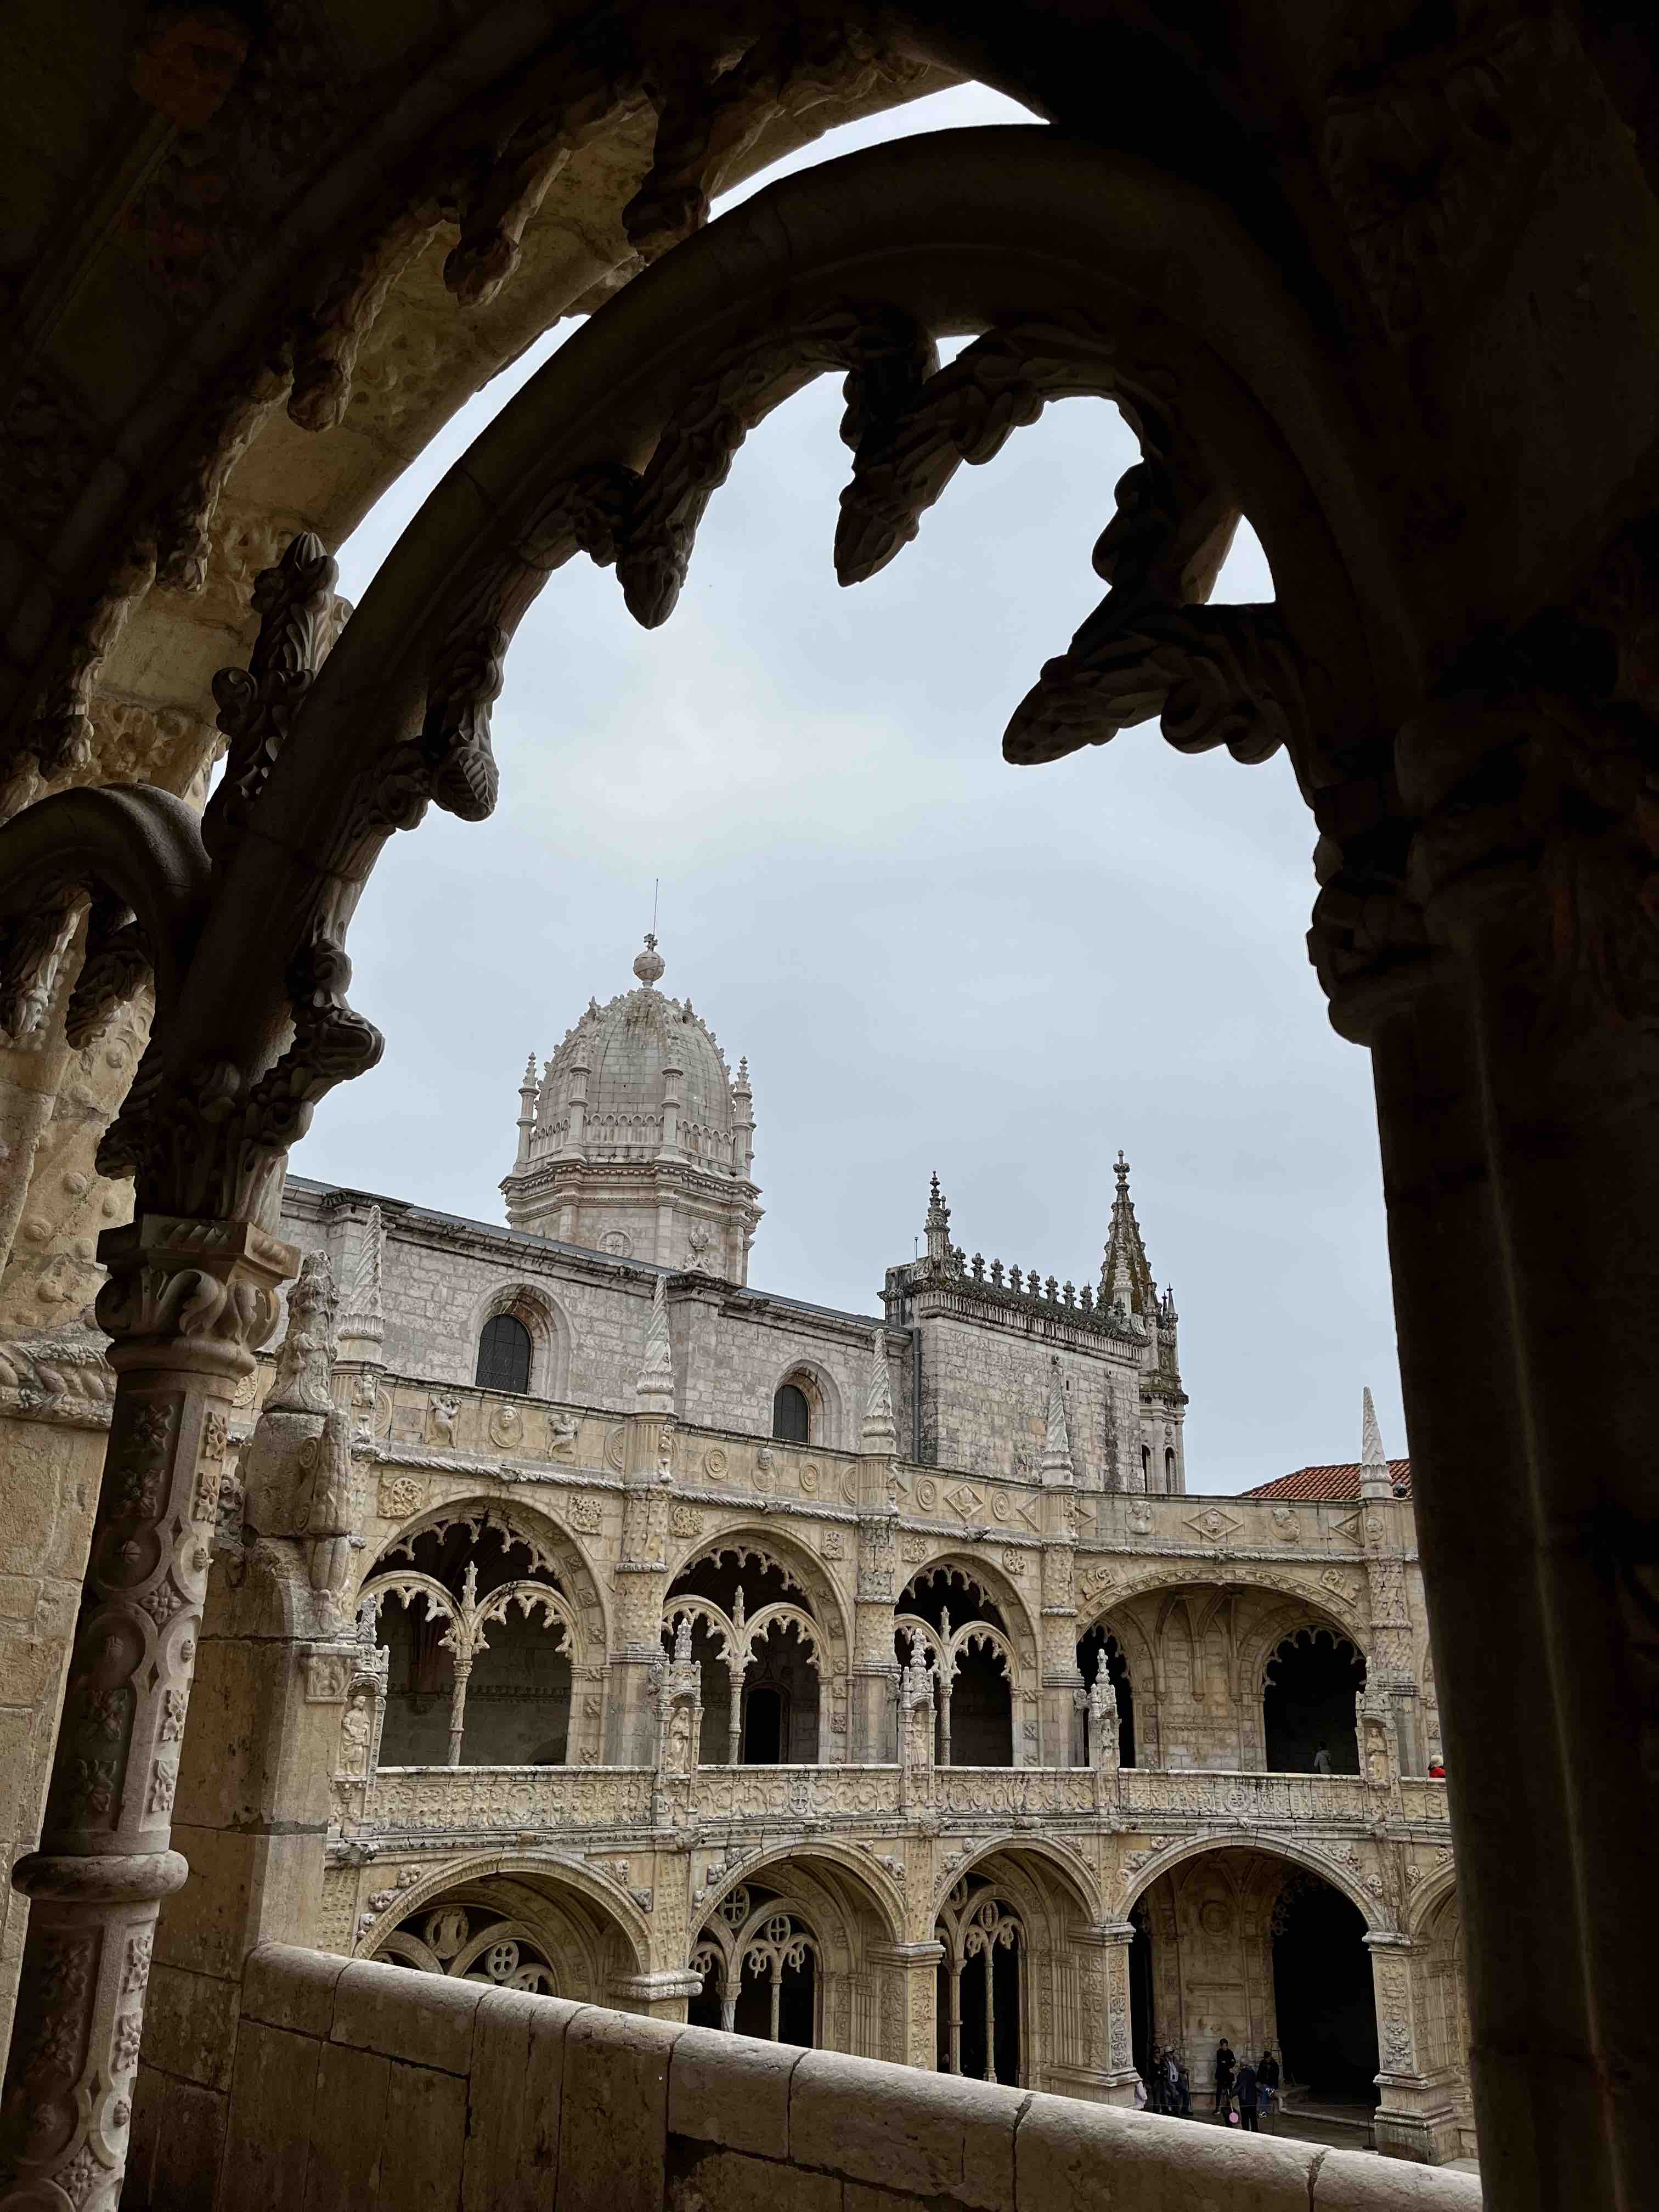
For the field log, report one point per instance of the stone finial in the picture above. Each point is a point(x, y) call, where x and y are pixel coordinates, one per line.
point(365, 1308)
point(1057, 1443)
point(304, 1359)
point(938, 1225)
point(1375, 1476)
point(649, 964)
point(653, 1386)
point(879, 1433)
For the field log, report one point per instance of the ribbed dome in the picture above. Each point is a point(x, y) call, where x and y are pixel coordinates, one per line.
point(628, 1048)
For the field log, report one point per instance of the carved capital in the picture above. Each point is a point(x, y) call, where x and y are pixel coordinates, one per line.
point(201, 1295)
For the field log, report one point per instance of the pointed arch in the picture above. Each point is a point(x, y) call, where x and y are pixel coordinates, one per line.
point(1275, 1846)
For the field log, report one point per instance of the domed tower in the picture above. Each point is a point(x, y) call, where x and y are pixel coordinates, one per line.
point(637, 1140)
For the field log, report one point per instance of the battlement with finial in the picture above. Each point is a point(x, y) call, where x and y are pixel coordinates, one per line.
point(1025, 1294)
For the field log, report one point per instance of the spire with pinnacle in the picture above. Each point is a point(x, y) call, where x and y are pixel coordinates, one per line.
point(1125, 1279)
point(1376, 1475)
point(938, 1225)
point(1057, 1443)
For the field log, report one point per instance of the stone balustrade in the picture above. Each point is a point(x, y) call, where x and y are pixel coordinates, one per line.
point(483, 1800)
point(354, 2082)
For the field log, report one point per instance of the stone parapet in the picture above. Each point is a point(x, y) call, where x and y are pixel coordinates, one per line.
point(458, 2095)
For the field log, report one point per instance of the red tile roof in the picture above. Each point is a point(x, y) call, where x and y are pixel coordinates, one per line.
point(1331, 1486)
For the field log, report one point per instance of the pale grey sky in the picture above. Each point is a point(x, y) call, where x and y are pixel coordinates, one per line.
point(932, 960)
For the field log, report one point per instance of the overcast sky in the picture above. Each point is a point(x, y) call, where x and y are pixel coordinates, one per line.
point(932, 960)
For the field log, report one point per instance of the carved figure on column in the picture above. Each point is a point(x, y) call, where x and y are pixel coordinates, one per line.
point(305, 1357)
point(329, 1520)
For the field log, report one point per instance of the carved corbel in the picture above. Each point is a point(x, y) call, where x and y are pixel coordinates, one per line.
point(295, 602)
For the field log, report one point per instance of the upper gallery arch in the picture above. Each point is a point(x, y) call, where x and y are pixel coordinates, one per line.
point(1143, 290)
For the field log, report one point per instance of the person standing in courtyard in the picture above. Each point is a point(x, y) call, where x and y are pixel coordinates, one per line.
point(1321, 1760)
point(1266, 2081)
point(1223, 2074)
point(1247, 2097)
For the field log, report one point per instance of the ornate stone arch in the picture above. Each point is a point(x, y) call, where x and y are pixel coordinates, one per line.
point(795, 1559)
point(1076, 1878)
point(1255, 1652)
point(865, 1873)
point(826, 1406)
point(552, 1339)
point(1430, 1895)
point(1000, 1588)
point(555, 1546)
point(612, 1909)
point(1343, 1878)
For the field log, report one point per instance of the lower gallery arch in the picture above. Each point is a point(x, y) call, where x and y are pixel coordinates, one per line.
point(798, 1949)
point(1020, 1986)
point(1261, 1951)
point(527, 1927)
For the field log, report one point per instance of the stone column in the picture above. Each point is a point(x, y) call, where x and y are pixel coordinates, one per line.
point(1509, 998)
point(1106, 2027)
point(186, 1304)
point(909, 2037)
point(630, 1720)
point(1060, 1679)
point(1416, 2118)
point(871, 1721)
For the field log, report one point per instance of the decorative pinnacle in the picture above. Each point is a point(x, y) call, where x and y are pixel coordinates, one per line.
point(529, 1082)
point(1121, 1171)
point(649, 964)
point(1375, 1476)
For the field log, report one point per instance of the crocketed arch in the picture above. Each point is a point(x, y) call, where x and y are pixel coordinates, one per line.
point(1003, 1591)
point(1135, 268)
point(794, 1559)
point(551, 1545)
point(1255, 1652)
point(1275, 1846)
point(550, 1334)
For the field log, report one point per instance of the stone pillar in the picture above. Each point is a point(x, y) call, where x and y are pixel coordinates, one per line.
point(630, 1719)
point(1509, 994)
point(908, 1984)
point(642, 1584)
point(1107, 2045)
point(1060, 1679)
point(186, 1304)
point(871, 1721)
point(1416, 2118)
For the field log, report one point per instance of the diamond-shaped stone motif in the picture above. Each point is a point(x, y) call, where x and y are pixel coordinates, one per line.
point(964, 1500)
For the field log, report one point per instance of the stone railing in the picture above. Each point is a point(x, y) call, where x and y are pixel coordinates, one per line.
point(1223, 1795)
point(357, 2082)
point(482, 1800)
point(474, 1800)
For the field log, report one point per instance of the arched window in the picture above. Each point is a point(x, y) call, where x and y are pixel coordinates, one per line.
point(1146, 1466)
point(792, 1416)
point(503, 1355)
point(1169, 1471)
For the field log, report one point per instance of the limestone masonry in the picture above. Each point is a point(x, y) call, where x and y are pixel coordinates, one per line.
point(867, 1682)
